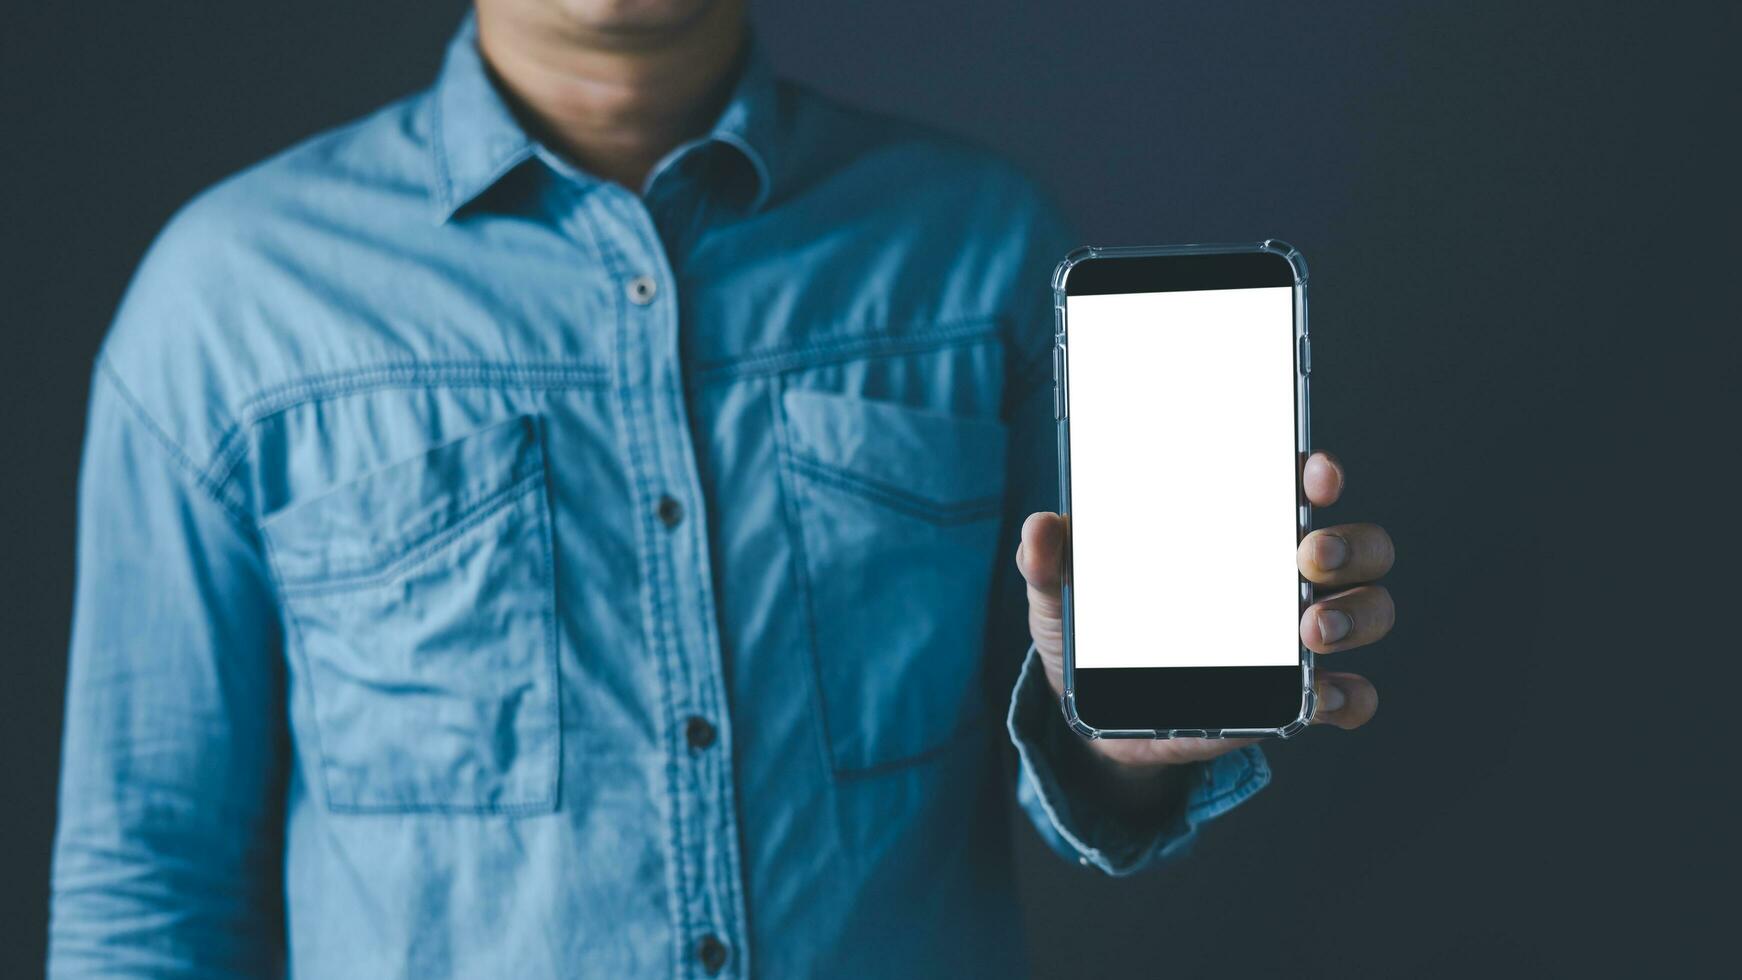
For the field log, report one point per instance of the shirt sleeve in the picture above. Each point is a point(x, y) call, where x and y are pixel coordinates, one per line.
point(1065, 809)
point(168, 845)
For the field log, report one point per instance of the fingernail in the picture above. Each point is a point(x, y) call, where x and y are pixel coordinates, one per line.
point(1331, 697)
point(1330, 551)
point(1334, 624)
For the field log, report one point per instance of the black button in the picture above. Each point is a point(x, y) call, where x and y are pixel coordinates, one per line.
point(712, 953)
point(670, 511)
point(700, 733)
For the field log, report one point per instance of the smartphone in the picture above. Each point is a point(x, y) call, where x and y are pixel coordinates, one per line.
point(1180, 388)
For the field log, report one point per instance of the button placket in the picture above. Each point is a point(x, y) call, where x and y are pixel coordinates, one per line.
point(709, 869)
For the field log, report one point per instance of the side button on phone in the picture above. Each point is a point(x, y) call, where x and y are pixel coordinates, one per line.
point(1306, 355)
point(1061, 400)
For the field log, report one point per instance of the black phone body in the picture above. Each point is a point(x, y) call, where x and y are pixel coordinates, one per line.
point(1181, 393)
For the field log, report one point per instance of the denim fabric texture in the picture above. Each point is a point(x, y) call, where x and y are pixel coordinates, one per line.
point(489, 571)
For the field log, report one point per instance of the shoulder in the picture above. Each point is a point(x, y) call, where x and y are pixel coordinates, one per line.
point(936, 207)
point(920, 165)
point(375, 166)
point(198, 329)
point(369, 161)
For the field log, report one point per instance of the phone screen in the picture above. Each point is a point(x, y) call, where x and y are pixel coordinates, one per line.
point(1183, 481)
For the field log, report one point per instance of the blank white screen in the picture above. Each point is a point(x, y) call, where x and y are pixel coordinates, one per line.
point(1183, 478)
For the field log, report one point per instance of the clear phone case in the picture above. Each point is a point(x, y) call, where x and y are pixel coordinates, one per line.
point(1303, 373)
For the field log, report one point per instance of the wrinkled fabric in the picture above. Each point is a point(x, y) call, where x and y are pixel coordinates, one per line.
point(489, 571)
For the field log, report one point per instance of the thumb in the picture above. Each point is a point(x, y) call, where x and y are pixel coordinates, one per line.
point(1040, 558)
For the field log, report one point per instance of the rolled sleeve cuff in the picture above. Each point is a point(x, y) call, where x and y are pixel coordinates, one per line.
point(1064, 806)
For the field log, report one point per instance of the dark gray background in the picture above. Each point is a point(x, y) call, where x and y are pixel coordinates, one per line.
point(1519, 219)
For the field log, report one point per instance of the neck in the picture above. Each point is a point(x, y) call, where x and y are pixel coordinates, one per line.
point(614, 103)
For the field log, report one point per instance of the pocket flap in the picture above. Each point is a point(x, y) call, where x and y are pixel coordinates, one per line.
point(946, 458)
point(367, 523)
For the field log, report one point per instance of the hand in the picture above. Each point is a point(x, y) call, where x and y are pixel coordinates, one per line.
point(1347, 557)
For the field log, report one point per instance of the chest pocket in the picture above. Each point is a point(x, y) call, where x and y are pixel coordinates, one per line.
point(898, 513)
point(420, 603)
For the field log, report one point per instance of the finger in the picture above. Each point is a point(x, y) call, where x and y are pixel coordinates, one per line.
point(1348, 619)
point(1344, 700)
point(1345, 554)
point(1040, 556)
point(1322, 477)
point(1145, 758)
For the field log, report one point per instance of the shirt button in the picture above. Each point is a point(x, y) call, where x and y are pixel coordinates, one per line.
point(670, 511)
point(712, 953)
point(699, 732)
point(642, 289)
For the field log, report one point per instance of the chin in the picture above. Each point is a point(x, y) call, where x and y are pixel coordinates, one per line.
point(635, 16)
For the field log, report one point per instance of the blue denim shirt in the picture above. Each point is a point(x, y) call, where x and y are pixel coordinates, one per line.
point(487, 571)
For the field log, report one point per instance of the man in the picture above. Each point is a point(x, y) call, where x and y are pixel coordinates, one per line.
point(558, 526)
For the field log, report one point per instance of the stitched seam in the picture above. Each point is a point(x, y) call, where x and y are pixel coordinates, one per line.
point(439, 146)
point(419, 533)
point(553, 645)
point(721, 873)
point(1247, 776)
point(418, 554)
point(931, 511)
point(665, 590)
point(955, 740)
point(504, 809)
point(299, 650)
point(779, 359)
point(675, 885)
point(451, 374)
point(555, 373)
point(175, 453)
point(795, 524)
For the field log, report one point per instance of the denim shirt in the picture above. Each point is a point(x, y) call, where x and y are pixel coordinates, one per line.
point(488, 571)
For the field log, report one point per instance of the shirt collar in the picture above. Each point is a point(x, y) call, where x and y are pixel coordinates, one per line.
point(475, 140)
